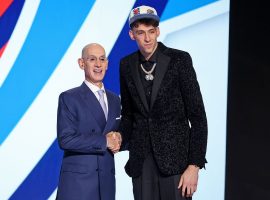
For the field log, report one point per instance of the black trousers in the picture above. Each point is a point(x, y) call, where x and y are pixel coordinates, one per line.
point(152, 185)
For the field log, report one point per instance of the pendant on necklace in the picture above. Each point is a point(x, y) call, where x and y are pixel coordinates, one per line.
point(149, 77)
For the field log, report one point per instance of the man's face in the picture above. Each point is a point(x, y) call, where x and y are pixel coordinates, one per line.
point(94, 63)
point(146, 38)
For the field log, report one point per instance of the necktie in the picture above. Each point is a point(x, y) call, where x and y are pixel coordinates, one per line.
point(102, 102)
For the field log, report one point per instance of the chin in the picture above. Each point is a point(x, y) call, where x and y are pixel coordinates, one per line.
point(148, 51)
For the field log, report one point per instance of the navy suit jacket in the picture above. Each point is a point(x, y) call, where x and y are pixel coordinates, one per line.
point(87, 170)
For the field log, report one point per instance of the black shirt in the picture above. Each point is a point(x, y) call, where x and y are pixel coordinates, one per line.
point(147, 86)
point(147, 65)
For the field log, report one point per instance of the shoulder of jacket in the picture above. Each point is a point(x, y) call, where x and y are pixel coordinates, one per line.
point(71, 92)
point(128, 57)
point(171, 51)
point(175, 51)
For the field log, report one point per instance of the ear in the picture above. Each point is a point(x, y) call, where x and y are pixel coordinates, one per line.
point(131, 35)
point(107, 65)
point(158, 31)
point(81, 63)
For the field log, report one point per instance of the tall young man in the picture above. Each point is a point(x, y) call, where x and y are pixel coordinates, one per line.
point(163, 121)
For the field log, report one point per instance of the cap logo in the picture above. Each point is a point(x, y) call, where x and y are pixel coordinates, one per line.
point(136, 11)
point(149, 11)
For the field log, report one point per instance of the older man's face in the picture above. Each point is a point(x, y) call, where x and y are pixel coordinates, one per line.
point(94, 63)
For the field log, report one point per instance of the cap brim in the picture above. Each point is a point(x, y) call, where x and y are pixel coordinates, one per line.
point(143, 16)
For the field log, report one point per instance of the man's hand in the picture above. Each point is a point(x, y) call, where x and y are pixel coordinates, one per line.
point(189, 180)
point(114, 141)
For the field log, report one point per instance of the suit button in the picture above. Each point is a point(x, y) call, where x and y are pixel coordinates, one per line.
point(93, 130)
point(149, 120)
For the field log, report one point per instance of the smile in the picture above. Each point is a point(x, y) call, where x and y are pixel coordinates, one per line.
point(97, 70)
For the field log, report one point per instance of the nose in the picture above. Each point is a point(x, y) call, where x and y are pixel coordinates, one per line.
point(147, 37)
point(98, 63)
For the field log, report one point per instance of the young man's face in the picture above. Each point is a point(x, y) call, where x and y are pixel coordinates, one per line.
point(146, 38)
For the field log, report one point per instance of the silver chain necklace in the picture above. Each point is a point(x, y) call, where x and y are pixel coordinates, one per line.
point(149, 76)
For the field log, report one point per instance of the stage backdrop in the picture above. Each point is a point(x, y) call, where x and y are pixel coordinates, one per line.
point(40, 42)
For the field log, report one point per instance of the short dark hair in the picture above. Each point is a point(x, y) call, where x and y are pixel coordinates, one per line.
point(144, 21)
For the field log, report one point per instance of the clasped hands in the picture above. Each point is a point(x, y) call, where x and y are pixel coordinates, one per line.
point(114, 141)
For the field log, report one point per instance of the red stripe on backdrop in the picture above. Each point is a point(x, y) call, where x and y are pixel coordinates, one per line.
point(4, 4)
point(2, 49)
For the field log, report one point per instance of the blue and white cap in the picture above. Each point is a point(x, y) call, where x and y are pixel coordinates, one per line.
point(143, 12)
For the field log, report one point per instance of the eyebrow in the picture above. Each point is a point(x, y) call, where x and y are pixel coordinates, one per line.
point(96, 56)
point(145, 30)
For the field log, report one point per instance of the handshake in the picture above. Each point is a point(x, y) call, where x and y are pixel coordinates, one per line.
point(114, 140)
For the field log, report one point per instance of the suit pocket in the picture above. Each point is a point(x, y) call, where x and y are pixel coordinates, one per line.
point(75, 168)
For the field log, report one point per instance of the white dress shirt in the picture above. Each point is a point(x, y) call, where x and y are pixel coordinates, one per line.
point(95, 90)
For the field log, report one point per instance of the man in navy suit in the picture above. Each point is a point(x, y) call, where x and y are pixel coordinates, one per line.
point(87, 119)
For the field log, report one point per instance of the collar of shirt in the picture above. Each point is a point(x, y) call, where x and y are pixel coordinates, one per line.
point(95, 90)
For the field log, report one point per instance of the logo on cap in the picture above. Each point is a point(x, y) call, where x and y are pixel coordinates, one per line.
point(136, 11)
point(149, 11)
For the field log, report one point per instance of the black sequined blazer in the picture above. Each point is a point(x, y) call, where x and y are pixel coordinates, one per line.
point(175, 119)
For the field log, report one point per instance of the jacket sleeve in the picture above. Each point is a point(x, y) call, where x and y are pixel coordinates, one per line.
point(126, 109)
point(195, 112)
point(69, 133)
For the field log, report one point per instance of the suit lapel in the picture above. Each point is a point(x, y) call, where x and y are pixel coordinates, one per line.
point(94, 106)
point(136, 77)
point(161, 68)
point(110, 118)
